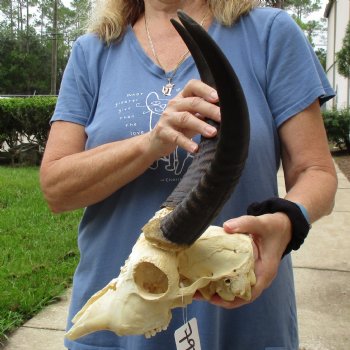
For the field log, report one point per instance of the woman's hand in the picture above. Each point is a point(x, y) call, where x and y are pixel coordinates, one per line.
point(183, 118)
point(271, 233)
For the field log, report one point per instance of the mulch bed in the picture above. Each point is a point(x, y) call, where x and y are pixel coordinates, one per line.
point(342, 158)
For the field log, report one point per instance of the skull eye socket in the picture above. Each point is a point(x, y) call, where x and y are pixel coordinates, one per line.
point(150, 279)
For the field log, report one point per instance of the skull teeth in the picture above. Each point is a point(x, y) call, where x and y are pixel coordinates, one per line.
point(153, 332)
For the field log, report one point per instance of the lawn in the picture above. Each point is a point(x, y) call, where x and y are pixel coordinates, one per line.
point(38, 250)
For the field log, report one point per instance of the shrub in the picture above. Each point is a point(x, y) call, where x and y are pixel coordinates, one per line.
point(337, 123)
point(9, 126)
point(343, 56)
point(24, 126)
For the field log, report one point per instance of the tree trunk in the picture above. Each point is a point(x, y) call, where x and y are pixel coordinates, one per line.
point(27, 29)
point(278, 4)
point(11, 19)
point(54, 51)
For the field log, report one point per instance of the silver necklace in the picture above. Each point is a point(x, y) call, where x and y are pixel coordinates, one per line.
point(168, 87)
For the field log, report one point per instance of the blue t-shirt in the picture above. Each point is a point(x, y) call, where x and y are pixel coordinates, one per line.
point(115, 92)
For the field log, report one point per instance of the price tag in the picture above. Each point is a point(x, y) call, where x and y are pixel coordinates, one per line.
point(187, 336)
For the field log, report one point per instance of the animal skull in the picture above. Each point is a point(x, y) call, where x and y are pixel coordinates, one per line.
point(153, 281)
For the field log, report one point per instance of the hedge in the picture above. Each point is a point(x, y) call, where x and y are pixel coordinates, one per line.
point(337, 123)
point(24, 125)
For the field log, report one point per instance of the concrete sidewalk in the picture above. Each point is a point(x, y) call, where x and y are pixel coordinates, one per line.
point(322, 278)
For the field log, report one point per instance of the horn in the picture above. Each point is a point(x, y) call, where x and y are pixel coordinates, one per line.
point(219, 162)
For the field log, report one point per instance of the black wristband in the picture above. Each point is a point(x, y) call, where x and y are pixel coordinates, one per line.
point(300, 226)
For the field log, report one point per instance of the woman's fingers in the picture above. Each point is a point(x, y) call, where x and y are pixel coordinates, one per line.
point(197, 106)
point(198, 88)
point(184, 117)
point(237, 302)
point(269, 230)
point(199, 98)
point(191, 125)
point(246, 223)
point(169, 138)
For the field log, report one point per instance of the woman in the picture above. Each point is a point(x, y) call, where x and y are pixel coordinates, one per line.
point(125, 128)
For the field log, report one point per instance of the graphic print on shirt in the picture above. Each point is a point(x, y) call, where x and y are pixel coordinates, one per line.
point(151, 106)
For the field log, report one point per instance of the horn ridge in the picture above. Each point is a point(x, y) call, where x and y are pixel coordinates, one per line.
point(207, 146)
point(194, 213)
point(194, 173)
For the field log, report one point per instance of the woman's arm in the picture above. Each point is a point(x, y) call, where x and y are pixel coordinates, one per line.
point(72, 177)
point(309, 170)
point(310, 180)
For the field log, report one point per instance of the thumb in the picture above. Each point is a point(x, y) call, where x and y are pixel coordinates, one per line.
point(243, 224)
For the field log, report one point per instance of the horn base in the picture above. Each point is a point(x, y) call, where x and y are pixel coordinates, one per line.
point(153, 233)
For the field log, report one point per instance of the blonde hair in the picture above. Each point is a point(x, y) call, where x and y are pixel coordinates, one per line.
point(111, 17)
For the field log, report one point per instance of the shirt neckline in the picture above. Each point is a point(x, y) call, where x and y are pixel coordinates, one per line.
point(152, 66)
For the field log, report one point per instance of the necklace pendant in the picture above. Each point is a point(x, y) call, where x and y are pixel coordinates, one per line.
point(167, 89)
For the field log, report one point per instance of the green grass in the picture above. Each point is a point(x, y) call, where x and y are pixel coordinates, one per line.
point(38, 250)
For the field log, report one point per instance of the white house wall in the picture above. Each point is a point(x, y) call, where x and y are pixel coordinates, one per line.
point(330, 66)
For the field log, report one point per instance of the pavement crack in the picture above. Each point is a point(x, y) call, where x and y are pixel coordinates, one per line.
point(45, 328)
point(321, 269)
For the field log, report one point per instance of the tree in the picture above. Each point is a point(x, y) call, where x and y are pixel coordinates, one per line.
point(53, 89)
point(299, 8)
point(29, 33)
point(6, 7)
point(275, 3)
point(23, 72)
point(322, 57)
point(302, 8)
point(343, 56)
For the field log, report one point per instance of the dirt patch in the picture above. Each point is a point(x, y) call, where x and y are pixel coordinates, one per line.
point(342, 158)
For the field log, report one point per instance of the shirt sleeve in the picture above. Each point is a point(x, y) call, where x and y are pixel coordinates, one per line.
point(295, 77)
point(75, 98)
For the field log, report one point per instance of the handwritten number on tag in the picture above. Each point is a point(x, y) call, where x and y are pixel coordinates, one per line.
point(187, 336)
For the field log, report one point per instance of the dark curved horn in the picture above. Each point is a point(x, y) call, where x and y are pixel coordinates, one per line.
point(219, 162)
point(201, 63)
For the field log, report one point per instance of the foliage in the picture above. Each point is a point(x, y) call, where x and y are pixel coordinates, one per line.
point(299, 10)
point(24, 122)
point(24, 70)
point(273, 3)
point(337, 123)
point(343, 56)
point(38, 249)
point(8, 127)
point(322, 57)
point(28, 34)
point(302, 8)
